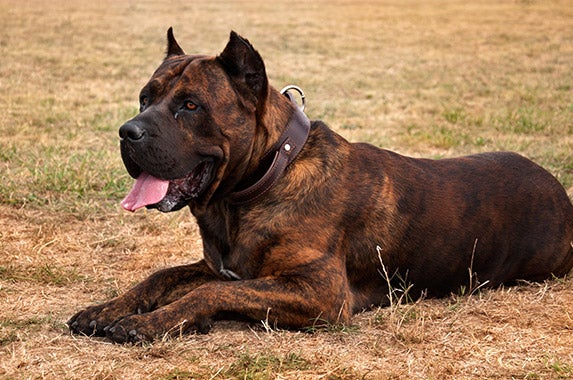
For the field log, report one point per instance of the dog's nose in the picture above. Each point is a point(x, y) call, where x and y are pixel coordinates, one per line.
point(131, 131)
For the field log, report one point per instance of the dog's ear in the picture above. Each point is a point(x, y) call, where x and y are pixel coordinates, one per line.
point(173, 47)
point(245, 66)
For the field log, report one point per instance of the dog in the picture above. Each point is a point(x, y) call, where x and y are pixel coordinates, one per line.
point(298, 225)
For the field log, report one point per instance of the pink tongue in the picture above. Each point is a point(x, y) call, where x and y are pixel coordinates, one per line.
point(147, 190)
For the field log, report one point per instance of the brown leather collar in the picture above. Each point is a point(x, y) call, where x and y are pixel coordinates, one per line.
point(285, 151)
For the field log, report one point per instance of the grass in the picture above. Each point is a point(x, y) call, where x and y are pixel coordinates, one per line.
point(433, 79)
point(263, 366)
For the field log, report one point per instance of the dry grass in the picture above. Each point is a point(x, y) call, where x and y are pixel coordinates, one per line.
point(436, 78)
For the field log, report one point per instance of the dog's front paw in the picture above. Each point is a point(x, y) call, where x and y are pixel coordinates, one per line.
point(133, 329)
point(130, 330)
point(155, 325)
point(91, 321)
point(95, 320)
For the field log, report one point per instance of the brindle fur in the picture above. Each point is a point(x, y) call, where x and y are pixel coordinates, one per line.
point(307, 250)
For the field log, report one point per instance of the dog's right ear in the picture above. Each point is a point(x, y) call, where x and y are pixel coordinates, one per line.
point(246, 67)
point(173, 47)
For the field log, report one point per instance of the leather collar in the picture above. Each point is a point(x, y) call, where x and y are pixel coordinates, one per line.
point(285, 151)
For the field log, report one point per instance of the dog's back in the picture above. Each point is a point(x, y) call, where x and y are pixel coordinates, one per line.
point(495, 217)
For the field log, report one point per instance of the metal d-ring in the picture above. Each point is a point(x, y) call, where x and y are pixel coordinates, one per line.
point(297, 89)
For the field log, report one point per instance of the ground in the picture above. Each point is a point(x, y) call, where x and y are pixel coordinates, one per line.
point(433, 79)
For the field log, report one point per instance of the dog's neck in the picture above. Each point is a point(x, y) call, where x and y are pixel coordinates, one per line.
point(273, 164)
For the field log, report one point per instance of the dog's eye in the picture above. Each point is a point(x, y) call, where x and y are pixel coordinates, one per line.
point(143, 100)
point(190, 106)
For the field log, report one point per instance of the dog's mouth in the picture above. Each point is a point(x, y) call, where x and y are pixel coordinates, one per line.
point(168, 195)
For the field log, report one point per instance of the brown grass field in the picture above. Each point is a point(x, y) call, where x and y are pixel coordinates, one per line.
point(425, 78)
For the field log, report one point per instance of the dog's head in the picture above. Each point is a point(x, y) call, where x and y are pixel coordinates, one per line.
point(196, 131)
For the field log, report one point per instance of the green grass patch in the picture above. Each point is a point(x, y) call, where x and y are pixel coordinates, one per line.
point(62, 177)
point(265, 365)
point(179, 374)
point(44, 275)
point(110, 120)
point(522, 121)
point(321, 325)
point(442, 136)
point(561, 369)
point(248, 366)
point(454, 115)
point(12, 329)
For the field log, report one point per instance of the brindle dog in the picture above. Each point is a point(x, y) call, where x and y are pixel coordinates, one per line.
point(297, 223)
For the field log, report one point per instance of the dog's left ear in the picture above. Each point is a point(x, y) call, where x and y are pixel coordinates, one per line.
point(245, 66)
point(173, 47)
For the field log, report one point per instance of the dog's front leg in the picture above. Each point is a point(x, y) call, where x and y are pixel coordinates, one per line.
point(285, 301)
point(161, 288)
